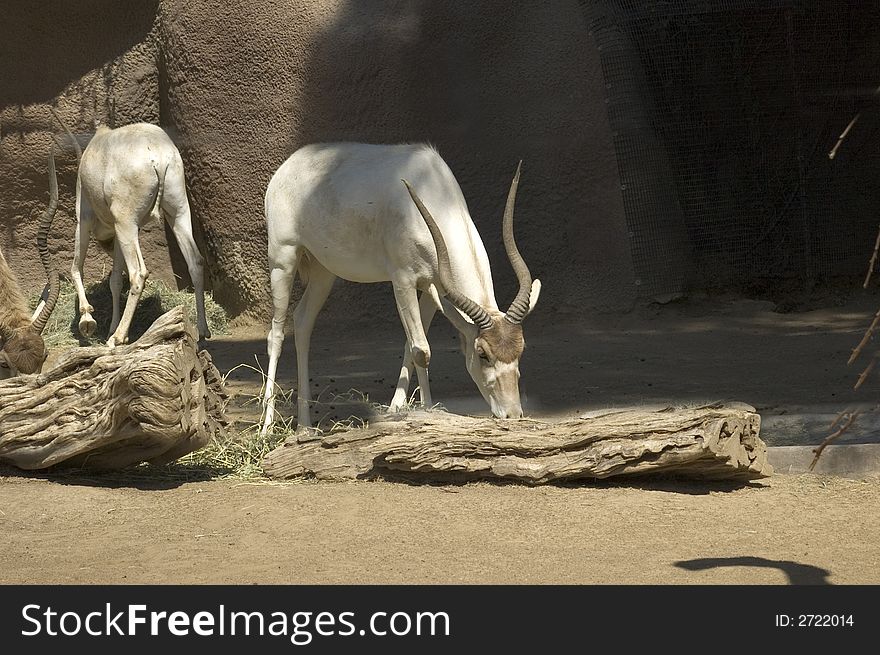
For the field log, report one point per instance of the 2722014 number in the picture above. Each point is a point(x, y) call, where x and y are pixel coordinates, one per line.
point(823, 620)
point(814, 620)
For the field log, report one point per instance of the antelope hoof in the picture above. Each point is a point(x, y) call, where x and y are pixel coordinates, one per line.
point(204, 333)
point(87, 325)
point(114, 341)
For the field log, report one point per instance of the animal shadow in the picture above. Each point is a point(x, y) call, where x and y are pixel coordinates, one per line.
point(798, 574)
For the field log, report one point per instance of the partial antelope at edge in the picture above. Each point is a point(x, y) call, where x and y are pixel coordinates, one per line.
point(22, 350)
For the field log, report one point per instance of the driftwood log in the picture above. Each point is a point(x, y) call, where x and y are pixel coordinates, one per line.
point(708, 442)
point(150, 401)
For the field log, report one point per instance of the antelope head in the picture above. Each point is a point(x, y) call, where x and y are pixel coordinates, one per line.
point(493, 342)
point(22, 350)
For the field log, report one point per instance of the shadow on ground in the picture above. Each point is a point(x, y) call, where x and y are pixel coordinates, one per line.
point(792, 367)
point(798, 574)
point(144, 477)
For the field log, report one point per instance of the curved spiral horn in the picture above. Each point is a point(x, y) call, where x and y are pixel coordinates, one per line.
point(477, 314)
point(520, 305)
point(54, 285)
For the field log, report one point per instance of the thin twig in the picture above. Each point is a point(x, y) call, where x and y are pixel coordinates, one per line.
point(833, 153)
point(843, 134)
point(836, 420)
point(865, 373)
point(818, 450)
point(873, 261)
point(865, 339)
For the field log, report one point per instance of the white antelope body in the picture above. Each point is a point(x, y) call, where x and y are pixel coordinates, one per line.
point(343, 210)
point(127, 176)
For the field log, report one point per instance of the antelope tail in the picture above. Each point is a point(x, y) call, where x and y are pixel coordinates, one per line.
point(156, 212)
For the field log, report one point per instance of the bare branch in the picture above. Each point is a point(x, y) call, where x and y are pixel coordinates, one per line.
point(865, 339)
point(838, 418)
point(850, 417)
point(873, 261)
point(864, 375)
point(833, 153)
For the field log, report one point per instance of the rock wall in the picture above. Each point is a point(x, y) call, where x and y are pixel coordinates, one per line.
point(240, 85)
point(95, 62)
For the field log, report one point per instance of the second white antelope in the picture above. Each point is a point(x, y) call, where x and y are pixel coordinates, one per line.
point(127, 176)
point(351, 210)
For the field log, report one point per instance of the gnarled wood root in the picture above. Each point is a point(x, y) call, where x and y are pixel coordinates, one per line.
point(709, 442)
point(150, 401)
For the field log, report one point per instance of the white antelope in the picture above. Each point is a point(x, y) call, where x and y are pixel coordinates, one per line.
point(342, 210)
point(126, 176)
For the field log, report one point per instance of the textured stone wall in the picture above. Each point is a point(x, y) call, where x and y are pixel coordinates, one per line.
point(95, 62)
point(240, 85)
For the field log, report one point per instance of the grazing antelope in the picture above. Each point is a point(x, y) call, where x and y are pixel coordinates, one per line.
point(22, 350)
point(127, 176)
point(350, 210)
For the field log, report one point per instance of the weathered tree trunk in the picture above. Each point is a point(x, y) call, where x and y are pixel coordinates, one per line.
point(151, 401)
point(715, 441)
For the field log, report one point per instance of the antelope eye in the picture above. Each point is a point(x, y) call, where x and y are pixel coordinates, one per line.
point(482, 354)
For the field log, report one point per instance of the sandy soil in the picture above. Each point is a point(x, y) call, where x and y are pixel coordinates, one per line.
point(792, 529)
point(786, 529)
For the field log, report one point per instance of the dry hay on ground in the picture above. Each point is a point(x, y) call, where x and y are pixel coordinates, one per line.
point(62, 329)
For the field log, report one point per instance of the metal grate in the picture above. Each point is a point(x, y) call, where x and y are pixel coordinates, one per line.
point(723, 114)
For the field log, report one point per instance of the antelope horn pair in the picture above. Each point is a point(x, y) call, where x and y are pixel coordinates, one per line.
point(50, 294)
point(520, 305)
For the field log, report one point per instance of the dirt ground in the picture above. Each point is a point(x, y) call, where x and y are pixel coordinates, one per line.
point(792, 529)
point(785, 529)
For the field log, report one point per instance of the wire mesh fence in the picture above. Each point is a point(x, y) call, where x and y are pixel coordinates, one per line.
point(723, 114)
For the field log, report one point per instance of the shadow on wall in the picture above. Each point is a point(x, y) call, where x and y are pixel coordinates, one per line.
point(487, 88)
point(39, 58)
point(93, 61)
point(245, 84)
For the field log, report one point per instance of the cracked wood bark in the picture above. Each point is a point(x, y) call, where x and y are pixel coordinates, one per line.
point(708, 442)
point(150, 401)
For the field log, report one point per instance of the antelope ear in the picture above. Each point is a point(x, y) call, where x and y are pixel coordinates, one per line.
point(533, 295)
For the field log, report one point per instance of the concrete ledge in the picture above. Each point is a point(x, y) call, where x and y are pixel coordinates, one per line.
point(849, 461)
point(804, 426)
